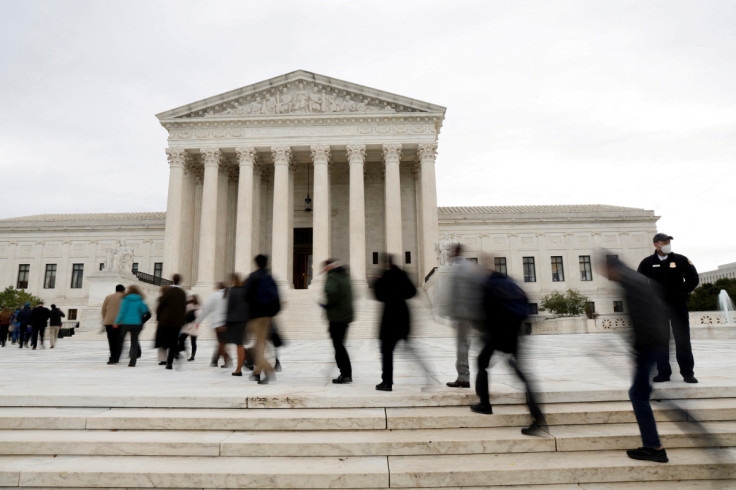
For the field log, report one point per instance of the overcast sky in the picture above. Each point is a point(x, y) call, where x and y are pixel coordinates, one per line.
point(629, 103)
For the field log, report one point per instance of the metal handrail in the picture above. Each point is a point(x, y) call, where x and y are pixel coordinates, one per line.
point(155, 280)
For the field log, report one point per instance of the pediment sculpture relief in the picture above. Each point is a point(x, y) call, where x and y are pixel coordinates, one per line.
point(301, 98)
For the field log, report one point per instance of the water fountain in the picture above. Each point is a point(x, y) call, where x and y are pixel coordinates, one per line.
point(725, 304)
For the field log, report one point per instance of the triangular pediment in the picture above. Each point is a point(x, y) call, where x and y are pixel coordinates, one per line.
point(300, 93)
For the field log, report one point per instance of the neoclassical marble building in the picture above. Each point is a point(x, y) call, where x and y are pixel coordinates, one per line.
point(302, 167)
point(242, 164)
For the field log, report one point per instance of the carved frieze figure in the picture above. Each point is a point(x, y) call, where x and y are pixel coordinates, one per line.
point(269, 105)
point(445, 246)
point(283, 105)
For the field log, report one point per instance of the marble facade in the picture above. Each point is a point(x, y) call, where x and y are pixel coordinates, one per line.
point(242, 163)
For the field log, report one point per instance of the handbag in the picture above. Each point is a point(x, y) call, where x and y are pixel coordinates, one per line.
point(146, 316)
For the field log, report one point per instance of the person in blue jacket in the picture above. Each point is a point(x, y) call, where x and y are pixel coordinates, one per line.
point(131, 317)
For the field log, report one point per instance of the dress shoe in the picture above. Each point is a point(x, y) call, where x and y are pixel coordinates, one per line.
point(660, 379)
point(162, 363)
point(534, 429)
point(384, 387)
point(459, 384)
point(249, 366)
point(341, 380)
point(169, 366)
point(237, 373)
point(190, 359)
point(110, 362)
point(690, 379)
point(648, 454)
point(131, 363)
point(482, 408)
point(213, 364)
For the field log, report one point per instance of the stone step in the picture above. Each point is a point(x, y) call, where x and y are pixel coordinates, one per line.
point(559, 468)
point(358, 443)
point(516, 469)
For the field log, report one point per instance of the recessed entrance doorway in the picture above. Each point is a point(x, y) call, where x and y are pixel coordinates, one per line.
point(302, 258)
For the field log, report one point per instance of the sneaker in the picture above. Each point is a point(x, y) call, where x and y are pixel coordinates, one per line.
point(482, 408)
point(648, 454)
point(384, 387)
point(690, 379)
point(162, 363)
point(660, 378)
point(340, 380)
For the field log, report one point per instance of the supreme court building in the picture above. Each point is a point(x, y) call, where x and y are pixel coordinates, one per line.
point(303, 167)
point(300, 167)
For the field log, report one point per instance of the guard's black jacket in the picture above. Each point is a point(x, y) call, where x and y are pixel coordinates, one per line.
point(676, 274)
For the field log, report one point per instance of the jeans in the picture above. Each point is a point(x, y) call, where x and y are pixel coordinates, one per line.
point(135, 346)
point(338, 332)
point(644, 361)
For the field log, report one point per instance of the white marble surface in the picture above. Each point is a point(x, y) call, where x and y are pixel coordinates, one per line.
point(565, 368)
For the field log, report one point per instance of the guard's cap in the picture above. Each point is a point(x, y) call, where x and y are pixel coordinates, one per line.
point(661, 237)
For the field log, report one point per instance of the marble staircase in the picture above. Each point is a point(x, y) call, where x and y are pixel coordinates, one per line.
point(376, 446)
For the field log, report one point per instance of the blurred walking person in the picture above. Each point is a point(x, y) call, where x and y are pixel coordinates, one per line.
point(24, 318)
point(15, 325)
point(39, 320)
point(236, 320)
point(505, 307)
point(55, 316)
point(170, 313)
point(339, 308)
point(392, 289)
point(465, 310)
point(110, 310)
point(650, 341)
point(264, 303)
point(216, 308)
point(191, 328)
point(5, 315)
point(131, 316)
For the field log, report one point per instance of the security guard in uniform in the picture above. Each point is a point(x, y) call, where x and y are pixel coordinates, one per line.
point(678, 277)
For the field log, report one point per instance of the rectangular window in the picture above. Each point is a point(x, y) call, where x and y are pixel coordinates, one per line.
point(49, 279)
point(375, 258)
point(586, 271)
point(102, 265)
point(77, 275)
point(24, 271)
point(618, 306)
point(407, 257)
point(135, 268)
point(158, 269)
point(472, 259)
point(499, 265)
point(558, 272)
point(533, 309)
point(530, 271)
point(71, 314)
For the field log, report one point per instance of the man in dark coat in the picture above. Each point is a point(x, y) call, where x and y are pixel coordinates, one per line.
point(339, 308)
point(677, 277)
point(649, 319)
point(171, 313)
point(24, 319)
point(392, 289)
point(39, 318)
point(262, 296)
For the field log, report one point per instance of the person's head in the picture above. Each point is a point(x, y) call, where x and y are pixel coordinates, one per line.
point(133, 289)
point(261, 261)
point(176, 279)
point(53, 306)
point(27, 305)
point(40, 303)
point(662, 243)
point(119, 288)
point(193, 299)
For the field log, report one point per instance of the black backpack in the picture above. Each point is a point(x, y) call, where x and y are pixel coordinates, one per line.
point(267, 296)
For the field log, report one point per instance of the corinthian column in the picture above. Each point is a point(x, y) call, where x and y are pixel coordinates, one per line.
point(430, 228)
point(208, 221)
point(356, 161)
point(244, 225)
point(321, 213)
point(280, 235)
point(392, 157)
point(172, 233)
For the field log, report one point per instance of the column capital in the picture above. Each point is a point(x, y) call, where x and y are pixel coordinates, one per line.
point(392, 152)
point(281, 155)
point(356, 153)
point(320, 153)
point(212, 156)
point(246, 155)
point(427, 151)
point(177, 157)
